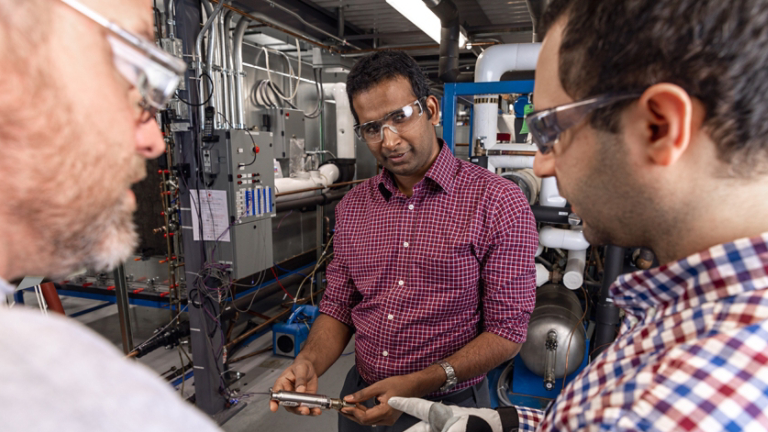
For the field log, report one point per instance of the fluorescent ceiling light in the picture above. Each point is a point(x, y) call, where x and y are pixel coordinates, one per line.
point(419, 14)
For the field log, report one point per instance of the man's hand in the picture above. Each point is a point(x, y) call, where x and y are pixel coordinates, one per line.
point(445, 418)
point(381, 392)
point(299, 377)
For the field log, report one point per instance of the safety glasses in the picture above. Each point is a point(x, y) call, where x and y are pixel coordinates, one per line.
point(546, 126)
point(155, 73)
point(397, 121)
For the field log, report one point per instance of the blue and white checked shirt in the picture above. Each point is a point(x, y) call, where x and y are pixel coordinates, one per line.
point(692, 354)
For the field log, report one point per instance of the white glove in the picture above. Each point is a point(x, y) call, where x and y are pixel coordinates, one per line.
point(437, 417)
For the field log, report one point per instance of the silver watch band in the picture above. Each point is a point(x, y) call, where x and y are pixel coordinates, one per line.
point(450, 373)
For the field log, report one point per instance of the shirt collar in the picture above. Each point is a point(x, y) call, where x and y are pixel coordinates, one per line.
point(442, 173)
point(719, 272)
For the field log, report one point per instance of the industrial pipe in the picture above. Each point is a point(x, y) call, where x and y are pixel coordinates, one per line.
point(536, 8)
point(199, 52)
point(51, 297)
point(448, 13)
point(574, 270)
point(550, 195)
point(542, 275)
point(606, 313)
point(553, 215)
point(491, 65)
point(345, 122)
point(557, 238)
point(228, 69)
point(242, 25)
point(222, 41)
point(322, 199)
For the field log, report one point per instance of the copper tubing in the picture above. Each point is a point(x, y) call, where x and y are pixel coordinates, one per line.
point(333, 186)
point(52, 297)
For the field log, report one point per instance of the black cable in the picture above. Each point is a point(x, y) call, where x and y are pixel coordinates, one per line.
point(198, 83)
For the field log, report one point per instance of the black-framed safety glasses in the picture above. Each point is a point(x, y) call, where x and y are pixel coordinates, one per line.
point(397, 121)
point(546, 125)
point(155, 73)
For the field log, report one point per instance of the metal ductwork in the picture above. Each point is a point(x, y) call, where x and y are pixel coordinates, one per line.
point(448, 13)
point(536, 8)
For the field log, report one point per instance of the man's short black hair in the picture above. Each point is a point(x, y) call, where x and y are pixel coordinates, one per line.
point(714, 49)
point(380, 66)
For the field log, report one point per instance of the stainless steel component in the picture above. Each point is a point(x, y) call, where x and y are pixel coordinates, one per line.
point(294, 399)
point(212, 13)
point(557, 310)
point(550, 361)
point(121, 294)
point(242, 25)
point(574, 219)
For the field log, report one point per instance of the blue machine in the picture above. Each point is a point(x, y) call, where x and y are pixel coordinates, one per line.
point(289, 338)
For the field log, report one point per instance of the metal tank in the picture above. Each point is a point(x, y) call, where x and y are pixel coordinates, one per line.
point(557, 314)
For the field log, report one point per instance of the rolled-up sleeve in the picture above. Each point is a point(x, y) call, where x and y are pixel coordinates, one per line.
point(340, 293)
point(509, 270)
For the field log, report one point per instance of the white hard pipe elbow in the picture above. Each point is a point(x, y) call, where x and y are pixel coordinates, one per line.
point(345, 122)
point(574, 270)
point(499, 59)
point(550, 195)
point(558, 238)
point(330, 173)
point(491, 65)
point(542, 275)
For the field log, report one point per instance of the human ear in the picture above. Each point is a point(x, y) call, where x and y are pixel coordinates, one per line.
point(666, 112)
point(433, 110)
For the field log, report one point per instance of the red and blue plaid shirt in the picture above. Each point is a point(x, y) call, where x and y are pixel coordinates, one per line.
point(407, 272)
point(692, 354)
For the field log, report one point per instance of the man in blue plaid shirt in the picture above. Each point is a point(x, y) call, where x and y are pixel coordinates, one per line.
point(653, 116)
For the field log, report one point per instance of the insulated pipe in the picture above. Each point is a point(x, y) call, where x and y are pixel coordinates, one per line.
point(448, 13)
point(574, 270)
point(550, 195)
point(607, 314)
point(242, 25)
point(490, 66)
point(322, 199)
point(199, 51)
point(514, 162)
point(324, 177)
point(553, 215)
point(557, 238)
point(345, 122)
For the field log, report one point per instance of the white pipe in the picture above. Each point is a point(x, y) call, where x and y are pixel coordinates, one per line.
point(515, 162)
point(542, 275)
point(345, 122)
point(574, 270)
point(550, 195)
point(562, 239)
point(325, 177)
point(491, 65)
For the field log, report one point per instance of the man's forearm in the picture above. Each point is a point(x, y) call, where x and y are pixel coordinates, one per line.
point(479, 356)
point(325, 343)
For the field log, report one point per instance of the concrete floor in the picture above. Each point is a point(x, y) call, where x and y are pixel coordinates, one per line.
point(259, 372)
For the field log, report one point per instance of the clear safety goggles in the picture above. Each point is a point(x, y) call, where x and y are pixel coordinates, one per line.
point(546, 126)
point(397, 121)
point(155, 73)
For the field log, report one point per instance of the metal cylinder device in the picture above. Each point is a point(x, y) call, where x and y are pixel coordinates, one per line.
point(295, 399)
point(557, 314)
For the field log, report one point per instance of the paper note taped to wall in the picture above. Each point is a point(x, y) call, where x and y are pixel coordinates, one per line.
point(213, 212)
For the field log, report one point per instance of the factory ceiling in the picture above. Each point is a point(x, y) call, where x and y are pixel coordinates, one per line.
point(368, 24)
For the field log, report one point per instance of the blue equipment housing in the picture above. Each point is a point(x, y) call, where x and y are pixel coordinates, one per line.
point(289, 338)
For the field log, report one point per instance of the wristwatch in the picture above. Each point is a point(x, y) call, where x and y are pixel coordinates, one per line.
point(451, 380)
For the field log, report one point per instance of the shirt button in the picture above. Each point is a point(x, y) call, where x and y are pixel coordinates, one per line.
point(410, 207)
point(385, 353)
point(401, 283)
point(405, 244)
point(390, 317)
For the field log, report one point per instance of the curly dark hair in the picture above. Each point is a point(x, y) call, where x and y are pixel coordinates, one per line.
point(385, 65)
point(714, 49)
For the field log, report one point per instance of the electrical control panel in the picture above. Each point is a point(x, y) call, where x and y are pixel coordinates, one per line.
point(288, 124)
point(238, 205)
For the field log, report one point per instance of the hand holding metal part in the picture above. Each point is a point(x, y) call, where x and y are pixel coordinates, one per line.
point(296, 399)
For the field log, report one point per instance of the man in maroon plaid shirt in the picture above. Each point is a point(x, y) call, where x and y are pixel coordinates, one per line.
point(433, 267)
